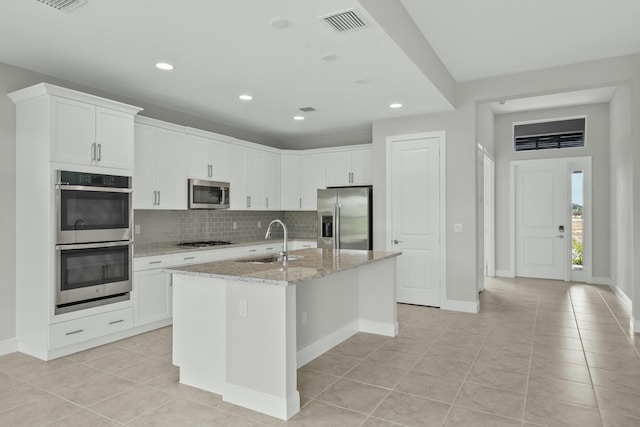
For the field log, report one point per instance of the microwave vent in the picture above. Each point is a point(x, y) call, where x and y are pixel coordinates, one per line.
point(63, 5)
point(344, 21)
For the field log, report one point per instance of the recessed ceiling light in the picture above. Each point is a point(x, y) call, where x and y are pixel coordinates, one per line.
point(164, 66)
point(246, 97)
point(395, 105)
point(298, 117)
point(279, 23)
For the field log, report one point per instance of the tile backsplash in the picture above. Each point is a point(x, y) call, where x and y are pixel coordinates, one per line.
point(172, 227)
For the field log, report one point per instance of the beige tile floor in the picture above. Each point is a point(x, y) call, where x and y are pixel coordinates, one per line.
point(538, 353)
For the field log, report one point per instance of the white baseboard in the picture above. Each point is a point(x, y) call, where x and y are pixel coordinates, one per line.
point(464, 306)
point(262, 402)
point(380, 328)
point(635, 324)
point(314, 350)
point(8, 346)
point(622, 296)
point(600, 281)
point(505, 273)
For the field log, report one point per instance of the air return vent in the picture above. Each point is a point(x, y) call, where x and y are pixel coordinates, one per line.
point(63, 5)
point(346, 20)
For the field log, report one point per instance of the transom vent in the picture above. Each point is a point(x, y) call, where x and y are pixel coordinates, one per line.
point(344, 21)
point(63, 5)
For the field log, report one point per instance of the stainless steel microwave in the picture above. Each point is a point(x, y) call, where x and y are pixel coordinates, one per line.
point(205, 194)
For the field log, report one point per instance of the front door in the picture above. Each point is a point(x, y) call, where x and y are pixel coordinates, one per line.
point(415, 219)
point(542, 218)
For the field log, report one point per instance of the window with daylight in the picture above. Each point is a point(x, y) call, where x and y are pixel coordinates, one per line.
point(567, 133)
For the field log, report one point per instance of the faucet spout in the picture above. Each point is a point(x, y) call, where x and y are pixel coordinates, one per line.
point(283, 254)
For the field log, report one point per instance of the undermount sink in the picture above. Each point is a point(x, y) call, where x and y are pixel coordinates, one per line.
point(271, 259)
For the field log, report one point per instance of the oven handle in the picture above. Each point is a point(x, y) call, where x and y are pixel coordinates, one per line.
point(88, 188)
point(94, 245)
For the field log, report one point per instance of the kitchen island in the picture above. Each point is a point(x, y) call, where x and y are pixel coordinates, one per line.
point(241, 329)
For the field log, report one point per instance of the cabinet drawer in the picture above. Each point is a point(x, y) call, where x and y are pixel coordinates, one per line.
point(186, 258)
point(151, 262)
point(86, 328)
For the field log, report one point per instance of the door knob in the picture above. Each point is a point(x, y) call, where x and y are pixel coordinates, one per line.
point(396, 241)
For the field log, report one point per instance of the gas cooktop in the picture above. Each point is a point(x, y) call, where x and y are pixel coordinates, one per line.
point(204, 243)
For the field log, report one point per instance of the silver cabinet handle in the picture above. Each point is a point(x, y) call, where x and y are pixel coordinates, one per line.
point(269, 249)
point(266, 202)
point(396, 241)
point(248, 201)
point(155, 262)
point(210, 171)
point(253, 250)
point(93, 151)
point(155, 197)
point(99, 152)
point(158, 197)
point(116, 321)
point(300, 202)
point(188, 258)
point(74, 332)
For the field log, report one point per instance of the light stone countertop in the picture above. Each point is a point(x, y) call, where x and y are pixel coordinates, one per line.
point(315, 263)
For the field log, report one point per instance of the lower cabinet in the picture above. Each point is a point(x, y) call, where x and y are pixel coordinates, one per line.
point(152, 296)
point(86, 328)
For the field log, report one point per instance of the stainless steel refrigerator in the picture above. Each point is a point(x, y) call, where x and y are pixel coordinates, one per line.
point(344, 218)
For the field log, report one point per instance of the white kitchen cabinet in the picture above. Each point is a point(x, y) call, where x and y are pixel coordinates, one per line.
point(345, 168)
point(152, 293)
point(300, 244)
point(160, 170)
point(89, 135)
point(255, 180)
point(237, 173)
point(314, 177)
point(77, 330)
point(206, 158)
point(271, 181)
point(291, 182)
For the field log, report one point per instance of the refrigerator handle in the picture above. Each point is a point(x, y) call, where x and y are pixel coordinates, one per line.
point(336, 226)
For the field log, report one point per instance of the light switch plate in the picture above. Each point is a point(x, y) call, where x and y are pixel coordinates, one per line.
point(235, 225)
point(457, 228)
point(259, 224)
point(137, 228)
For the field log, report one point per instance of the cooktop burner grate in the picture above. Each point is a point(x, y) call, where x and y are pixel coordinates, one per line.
point(204, 243)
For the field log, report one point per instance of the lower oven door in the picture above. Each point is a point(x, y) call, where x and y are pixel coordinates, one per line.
point(92, 272)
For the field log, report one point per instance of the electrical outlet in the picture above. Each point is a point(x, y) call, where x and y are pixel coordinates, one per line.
point(235, 225)
point(242, 309)
point(137, 228)
point(457, 228)
point(304, 318)
point(259, 224)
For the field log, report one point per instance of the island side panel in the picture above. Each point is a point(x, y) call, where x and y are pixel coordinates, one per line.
point(327, 313)
point(261, 348)
point(199, 331)
point(377, 298)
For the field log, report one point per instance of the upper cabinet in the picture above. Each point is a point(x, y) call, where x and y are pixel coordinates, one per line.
point(160, 168)
point(347, 167)
point(84, 129)
point(291, 181)
point(255, 179)
point(272, 171)
point(314, 177)
point(206, 156)
point(237, 173)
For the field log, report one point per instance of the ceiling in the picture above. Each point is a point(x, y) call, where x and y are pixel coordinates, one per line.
point(221, 49)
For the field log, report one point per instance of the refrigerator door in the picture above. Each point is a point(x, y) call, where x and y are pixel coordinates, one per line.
point(326, 218)
point(354, 218)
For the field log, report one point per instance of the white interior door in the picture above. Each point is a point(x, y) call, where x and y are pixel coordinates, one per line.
point(541, 219)
point(489, 217)
point(415, 219)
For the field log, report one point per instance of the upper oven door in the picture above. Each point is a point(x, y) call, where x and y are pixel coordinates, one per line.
point(208, 194)
point(93, 214)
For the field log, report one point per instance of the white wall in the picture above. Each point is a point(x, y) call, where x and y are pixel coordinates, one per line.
point(620, 186)
point(596, 146)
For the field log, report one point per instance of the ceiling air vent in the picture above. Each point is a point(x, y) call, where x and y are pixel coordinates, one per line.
point(346, 20)
point(63, 5)
point(306, 109)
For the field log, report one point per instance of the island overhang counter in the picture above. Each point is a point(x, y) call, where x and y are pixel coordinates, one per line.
point(241, 329)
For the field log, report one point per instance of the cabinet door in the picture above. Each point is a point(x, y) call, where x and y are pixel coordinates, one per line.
point(114, 136)
point(338, 168)
point(291, 182)
point(237, 172)
point(144, 168)
point(314, 176)
point(361, 167)
point(198, 165)
point(255, 179)
point(217, 154)
point(73, 128)
point(171, 169)
point(152, 296)
point(272, 181)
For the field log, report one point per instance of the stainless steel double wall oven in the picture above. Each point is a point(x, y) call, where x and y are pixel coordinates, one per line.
point(94, 240)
